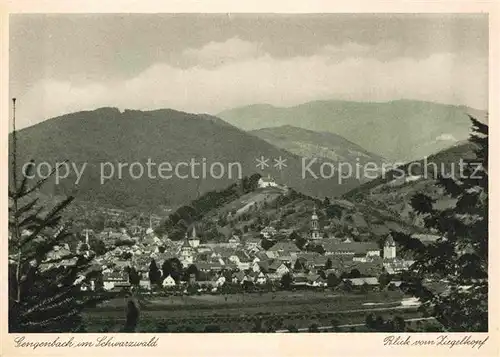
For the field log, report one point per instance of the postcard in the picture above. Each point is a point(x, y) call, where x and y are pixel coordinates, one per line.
point(283, 179)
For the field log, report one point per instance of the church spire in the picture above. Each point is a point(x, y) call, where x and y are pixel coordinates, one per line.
point(314, 216)
point(315, 234)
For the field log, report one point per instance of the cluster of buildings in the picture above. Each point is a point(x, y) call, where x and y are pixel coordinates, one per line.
point(243, 261)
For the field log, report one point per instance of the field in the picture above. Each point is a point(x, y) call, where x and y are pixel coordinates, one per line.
point(247, 312)
point(258, 197)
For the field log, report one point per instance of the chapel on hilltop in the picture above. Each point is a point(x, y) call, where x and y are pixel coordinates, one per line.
point(267, 182)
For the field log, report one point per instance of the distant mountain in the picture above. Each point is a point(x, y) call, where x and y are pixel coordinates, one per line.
point(106, 137)
point(392, 192)
point(310, 144)
point(401, 130)
point(369, 212)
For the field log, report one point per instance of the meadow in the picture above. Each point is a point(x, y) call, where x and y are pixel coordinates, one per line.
point(250, 312)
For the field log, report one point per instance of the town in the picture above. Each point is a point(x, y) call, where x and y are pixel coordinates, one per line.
point(137, 258)
point(244, 173)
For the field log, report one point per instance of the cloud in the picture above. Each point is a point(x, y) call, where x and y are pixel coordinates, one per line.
point(380, 51)
point(236, 73)
point(218, 53)
point(446, 137)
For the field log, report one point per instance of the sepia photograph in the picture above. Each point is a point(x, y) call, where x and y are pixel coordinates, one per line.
point(248, 173)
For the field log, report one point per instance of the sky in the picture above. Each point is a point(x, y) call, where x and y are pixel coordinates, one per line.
point(207, 63)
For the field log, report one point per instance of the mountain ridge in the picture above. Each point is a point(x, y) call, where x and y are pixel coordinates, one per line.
point(319, 145)
point(108, 135)
point(401, 130)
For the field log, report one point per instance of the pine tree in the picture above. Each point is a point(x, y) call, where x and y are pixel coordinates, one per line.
point(132, 317)
point(45, 295)
point(154, 274)
point(460, 255)
point(133, 276)
point(286, 281)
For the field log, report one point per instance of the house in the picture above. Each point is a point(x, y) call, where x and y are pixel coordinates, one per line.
point(241, 259)
point(261, 266)
point(220, 281)
point(287, 259)
point(371, 281)
point(234, 241)
point(243, 277)
point(284, 247)
point(202, 249)
point(273, 277)
point(203, 266)
point(252, 243)
point(88, 286)
point(145, 284)
point(261, 279)
point(268, 232)
point(270, 254)
point(113, 279)
point(359, 257)
point(168, 282)
point(332, 247)
point(395, 284)
point(315, 280)
point(300, 280)
point(278, 267)
point(121, 286)
point(222, 252)
point(261, 256)
point(300, 264)
point(306, 256)
point(286, 231)
point(237, 277)
point(396, 266)
point(206, 267)
point(230, 266)
point(216, 266)
point(121, 264)
point(234, 259)
point(373, 268)
point(317, 262)
point(151, 239)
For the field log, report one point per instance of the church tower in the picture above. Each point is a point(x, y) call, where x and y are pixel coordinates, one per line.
point(315, 234)
point(150, 228)
point(194, 241)
point(84, 247)
point(186, 252)
point(389, 248)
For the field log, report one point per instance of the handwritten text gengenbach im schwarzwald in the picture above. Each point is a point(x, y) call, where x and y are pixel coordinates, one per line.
point(72, 342)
